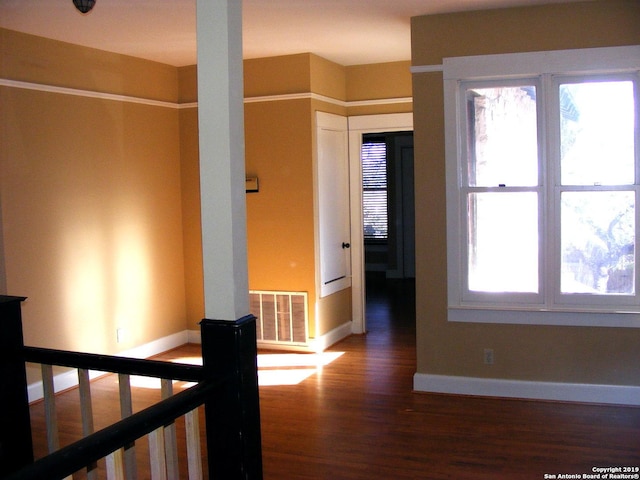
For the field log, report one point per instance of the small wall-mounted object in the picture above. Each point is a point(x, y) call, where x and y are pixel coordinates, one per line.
point(251, 184)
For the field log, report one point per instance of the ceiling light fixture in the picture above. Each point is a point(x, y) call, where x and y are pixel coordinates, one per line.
point(84, 6)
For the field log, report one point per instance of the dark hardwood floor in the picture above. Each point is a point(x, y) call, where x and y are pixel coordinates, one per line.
point(351, 414)
point(359, 419)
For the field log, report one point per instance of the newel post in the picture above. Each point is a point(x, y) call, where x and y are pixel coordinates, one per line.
point(16, 446)
point(229, 351)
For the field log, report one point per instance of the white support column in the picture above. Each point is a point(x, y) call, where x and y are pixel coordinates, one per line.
point(222, 168)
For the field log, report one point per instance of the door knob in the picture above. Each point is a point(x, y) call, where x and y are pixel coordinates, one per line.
point(346, 245)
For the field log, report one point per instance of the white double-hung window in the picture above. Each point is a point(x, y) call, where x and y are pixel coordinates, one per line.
point(543, 187)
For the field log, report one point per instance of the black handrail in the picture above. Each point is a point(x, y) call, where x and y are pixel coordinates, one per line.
point(78, 455)
point(113, 364)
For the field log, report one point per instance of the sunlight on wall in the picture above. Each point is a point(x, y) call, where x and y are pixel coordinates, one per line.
point(107, 283)
point(132, 302)
point(85, 285)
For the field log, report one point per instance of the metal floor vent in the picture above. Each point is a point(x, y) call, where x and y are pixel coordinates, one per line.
point(281, 316)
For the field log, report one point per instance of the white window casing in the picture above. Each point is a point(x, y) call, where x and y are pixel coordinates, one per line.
point(546, 71)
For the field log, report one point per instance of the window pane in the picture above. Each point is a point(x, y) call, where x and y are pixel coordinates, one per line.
point(598, 242)
point(374, 165)
point(503, 242)
point(374, 211)
point(597, 133)
point(502, 136)
point(374, 190)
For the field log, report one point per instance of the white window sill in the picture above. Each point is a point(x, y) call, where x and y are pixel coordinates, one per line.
point(587, 318)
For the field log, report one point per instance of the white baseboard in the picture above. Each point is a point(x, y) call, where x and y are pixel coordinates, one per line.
point(315, 345)
point(158, 346)
point(194, 336)
point(321, 343)
point(492, 387)
point(285, 347)
point(69, 379)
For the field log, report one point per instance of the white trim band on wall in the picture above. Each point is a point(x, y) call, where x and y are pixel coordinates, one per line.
point(159, 103)
point(323, 98)
point(426, 68)
point(85, 93)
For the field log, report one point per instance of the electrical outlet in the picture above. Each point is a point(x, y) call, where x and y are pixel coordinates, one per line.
point(488, 356)
point(120, 335)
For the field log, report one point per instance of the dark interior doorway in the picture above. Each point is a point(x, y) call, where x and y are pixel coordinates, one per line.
point(389, 239)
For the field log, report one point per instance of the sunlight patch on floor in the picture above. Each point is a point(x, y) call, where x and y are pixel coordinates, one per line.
point(291, 368)
point(279, 368)
point(273, 369)
point(144, 382)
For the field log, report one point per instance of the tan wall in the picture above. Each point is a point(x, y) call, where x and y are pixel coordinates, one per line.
point(280, 220)
point(90, 197)
point(279, 149)
point(187, 84)
point(191, 219)
point(389, 83)
point(378, 81)
point(277, 75)
point(100, 197)
point(327, 78)
point(543, 353)
point(48, 62)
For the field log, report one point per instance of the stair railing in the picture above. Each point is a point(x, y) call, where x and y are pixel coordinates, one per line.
point(226, 384)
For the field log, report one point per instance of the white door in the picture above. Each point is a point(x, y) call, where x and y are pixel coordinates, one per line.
point(333, 203)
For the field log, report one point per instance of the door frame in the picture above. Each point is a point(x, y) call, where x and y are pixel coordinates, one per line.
point(359, 125)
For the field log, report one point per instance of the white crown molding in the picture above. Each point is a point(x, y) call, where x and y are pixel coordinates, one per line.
point(158, 103)
point(323, 98)
point(85, 93)
point(283, 97)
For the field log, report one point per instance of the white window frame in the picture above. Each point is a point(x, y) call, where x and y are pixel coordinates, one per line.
point(548, 307)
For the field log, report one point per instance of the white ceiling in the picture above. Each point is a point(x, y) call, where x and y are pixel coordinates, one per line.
point(348, 32)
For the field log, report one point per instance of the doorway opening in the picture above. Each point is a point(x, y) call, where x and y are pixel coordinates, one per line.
point(388, 210)
point(359, 126)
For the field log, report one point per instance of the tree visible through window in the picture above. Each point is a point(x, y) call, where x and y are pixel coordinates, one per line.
point(374, 188)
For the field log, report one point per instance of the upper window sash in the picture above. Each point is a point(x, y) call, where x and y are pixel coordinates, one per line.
point(506, 138)
point(559, 95)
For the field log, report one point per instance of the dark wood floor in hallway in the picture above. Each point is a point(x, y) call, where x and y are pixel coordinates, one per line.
point(350, 413)
point(357, 418)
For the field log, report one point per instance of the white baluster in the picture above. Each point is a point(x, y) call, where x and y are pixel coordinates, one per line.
point(194, 456)
point(156, 455)
point(86, 411)
point(171, 442)
point(115, 466)
point(126, 410)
